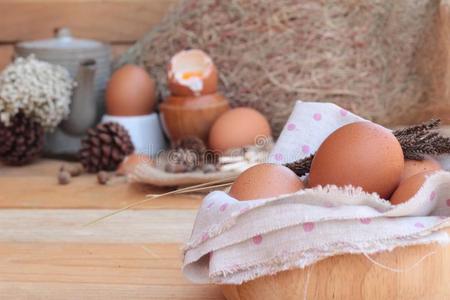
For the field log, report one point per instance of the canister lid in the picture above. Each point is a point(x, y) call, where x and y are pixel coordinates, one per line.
point(63, 40)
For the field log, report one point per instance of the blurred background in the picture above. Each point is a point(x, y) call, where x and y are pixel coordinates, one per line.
point(119, 22)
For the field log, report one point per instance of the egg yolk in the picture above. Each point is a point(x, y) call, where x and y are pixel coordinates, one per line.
point(189, 75)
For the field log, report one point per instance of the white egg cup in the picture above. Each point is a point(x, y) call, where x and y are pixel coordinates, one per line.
point(145, 132)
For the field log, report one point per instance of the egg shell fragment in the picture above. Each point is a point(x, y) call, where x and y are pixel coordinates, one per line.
point(192, 73)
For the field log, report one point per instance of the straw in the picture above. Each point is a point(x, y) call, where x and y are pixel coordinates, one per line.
point(361, 55)
point(190, 189)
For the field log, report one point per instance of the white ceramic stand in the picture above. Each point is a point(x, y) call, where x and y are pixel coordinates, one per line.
point(145, 131)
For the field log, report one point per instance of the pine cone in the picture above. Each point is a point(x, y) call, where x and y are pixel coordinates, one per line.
point(182, 160)
point(197, 146)
point(105, 147)
point(22, 141)
point(192, 143)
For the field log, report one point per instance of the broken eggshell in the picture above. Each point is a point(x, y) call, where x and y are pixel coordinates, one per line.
point(192, 73)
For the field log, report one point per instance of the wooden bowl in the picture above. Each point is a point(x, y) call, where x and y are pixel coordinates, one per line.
point(195, 101)
point(191, 116)
point(356, 277)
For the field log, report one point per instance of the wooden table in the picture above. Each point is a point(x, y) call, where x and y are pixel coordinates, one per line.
point(47, 253)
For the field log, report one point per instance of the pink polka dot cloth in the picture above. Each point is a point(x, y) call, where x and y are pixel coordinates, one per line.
point(235, 241)
point(309, 124)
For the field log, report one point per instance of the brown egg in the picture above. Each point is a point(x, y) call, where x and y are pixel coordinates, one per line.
point(237, 128)
point(361, 154)
point(131, 162)
point(265, 181)
point(409, 187)
point(413, 167)
point(130, 92)
point(192, 73)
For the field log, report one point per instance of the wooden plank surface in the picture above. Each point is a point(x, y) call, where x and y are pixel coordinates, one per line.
point(107, 20)
point(132, 264)
point(118, 22)
point(43, 191)
point(95, 271)
point(64, 225)
point(82, 291)
point(47, 253)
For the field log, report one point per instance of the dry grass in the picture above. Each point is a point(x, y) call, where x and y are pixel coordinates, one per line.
point(359, 54)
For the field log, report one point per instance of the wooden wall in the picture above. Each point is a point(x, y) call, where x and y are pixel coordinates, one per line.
point(119, 22)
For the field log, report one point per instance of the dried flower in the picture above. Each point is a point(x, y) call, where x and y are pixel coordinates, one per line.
point(41, 90)
point(302, 166)
point(420, 140)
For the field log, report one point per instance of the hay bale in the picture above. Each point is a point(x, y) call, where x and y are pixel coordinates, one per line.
point(360, 54)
